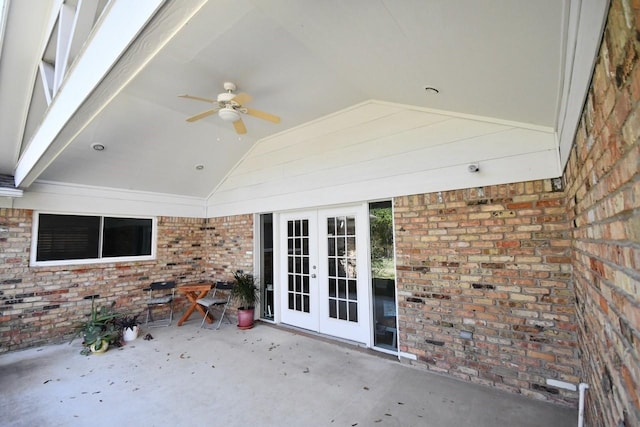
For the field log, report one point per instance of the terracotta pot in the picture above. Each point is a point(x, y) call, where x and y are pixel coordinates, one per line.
point(245, 318)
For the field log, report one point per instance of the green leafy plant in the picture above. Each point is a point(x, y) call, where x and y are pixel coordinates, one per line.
point(245, 290)
point(125, 321)
point(98, 328)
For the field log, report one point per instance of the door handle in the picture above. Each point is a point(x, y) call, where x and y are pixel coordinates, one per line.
point(313, 276)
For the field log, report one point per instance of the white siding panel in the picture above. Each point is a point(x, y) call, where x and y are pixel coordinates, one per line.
point(530, 166)
point(408, 152)
point(375, 151)
point(357, 134)
point(359, 145)
point(361, 113)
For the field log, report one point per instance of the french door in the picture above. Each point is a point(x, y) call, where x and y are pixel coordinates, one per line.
point(324, 273)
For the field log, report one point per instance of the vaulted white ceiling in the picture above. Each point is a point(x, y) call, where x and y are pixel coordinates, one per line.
point(508, 64)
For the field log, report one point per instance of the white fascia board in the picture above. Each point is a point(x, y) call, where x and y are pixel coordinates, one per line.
point(84, 199)
point(10, 192)
point(118, 27)
point(587, 19)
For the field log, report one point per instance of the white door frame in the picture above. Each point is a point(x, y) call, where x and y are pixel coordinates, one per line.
point(365, 336)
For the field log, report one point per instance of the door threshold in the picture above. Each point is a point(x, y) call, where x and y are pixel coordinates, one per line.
point(334, 340)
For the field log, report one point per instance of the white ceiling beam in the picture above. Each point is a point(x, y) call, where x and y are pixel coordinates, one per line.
point(46, 77)
point(118, 28)
point(65, 30)
point(83, 23)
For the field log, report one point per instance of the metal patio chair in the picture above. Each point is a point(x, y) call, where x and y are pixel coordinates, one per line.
point(215, 299)
point(161, 294)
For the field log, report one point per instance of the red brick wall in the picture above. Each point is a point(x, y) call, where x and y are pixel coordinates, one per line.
point(229, 246)
point(496, 262)
point(40, 304)
point(604, 200)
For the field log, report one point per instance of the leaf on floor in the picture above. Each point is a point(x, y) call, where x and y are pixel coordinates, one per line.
point(46, 381)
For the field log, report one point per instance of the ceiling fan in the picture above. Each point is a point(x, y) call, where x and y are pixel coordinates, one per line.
point(230, 106)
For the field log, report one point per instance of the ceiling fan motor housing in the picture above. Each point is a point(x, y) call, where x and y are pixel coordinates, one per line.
point(226, 97)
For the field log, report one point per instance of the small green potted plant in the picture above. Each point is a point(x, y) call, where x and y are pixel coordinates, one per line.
point(129, 325)
point(98, 330)
point(245, 291)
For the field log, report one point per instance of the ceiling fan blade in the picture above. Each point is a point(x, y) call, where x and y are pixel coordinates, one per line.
point(202, 115)
point(198, 98)
point(262, 115)
point(242, 98)
point(240, 127)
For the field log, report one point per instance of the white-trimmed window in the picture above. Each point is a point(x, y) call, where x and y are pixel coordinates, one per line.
point(82, 239)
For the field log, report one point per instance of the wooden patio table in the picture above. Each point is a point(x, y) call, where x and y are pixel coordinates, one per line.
point(193, 292)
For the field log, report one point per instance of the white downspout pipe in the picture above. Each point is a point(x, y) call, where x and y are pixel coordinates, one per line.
point(583, 388)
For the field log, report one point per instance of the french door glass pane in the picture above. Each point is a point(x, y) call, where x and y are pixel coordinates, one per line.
point(351, 226)
point(298, 265)
point(341, 250)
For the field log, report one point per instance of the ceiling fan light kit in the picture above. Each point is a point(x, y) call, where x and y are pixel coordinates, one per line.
point(228, 114)
point(230, 108)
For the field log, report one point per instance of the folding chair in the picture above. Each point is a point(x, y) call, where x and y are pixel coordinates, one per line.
point(217, 300)
point(161, 294)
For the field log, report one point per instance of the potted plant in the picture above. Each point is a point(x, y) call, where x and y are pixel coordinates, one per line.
point(245, 292)
point(129, 326)
point(99, 330)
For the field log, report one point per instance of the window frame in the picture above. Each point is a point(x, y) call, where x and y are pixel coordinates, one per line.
point(33, 262)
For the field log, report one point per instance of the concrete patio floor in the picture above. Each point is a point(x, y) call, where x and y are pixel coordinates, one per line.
point(266, 376)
